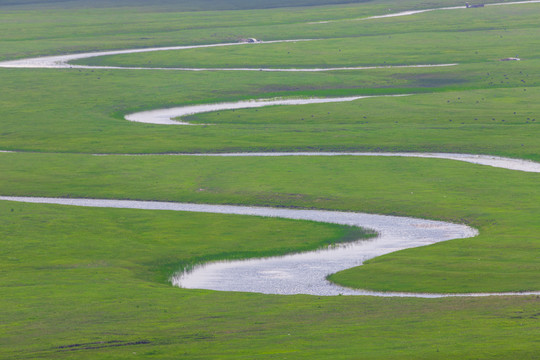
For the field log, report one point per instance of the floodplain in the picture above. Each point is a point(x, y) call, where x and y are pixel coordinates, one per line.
point(95, 283)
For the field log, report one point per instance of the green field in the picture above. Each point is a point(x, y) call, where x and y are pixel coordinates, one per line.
point(94, 283)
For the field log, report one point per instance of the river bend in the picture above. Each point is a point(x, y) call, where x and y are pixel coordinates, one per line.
point(303, 273)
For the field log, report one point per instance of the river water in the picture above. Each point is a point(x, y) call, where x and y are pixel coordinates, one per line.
point(303, 273)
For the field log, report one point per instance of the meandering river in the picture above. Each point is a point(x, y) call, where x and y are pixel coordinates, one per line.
point(303, 273)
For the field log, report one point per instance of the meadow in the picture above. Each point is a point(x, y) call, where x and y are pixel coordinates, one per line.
point(94, 283)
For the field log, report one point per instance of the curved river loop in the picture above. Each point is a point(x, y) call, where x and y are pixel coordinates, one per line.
point(303, 273)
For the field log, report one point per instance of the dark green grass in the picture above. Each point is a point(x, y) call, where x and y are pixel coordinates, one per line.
point(182, 5)
point(82, 111)
point(37, 31)
point(209, 5)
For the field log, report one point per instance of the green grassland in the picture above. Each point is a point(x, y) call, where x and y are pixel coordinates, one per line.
point(178, 5)
point(428, 188)
point(469, 107)
point(93, 283)
point(37, 31)
point(86, 112)
point(445, 42)
point(87, 283)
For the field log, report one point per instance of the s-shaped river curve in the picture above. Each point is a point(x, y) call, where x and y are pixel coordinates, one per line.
point(303, 273)
point(298, 273)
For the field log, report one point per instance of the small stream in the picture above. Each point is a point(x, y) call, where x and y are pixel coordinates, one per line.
point(167, 116)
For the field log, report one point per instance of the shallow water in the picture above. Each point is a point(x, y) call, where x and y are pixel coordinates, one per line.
point(488, 160)
point(303, 273)
point(411, 12)
point(62, 61)
point(167, 116)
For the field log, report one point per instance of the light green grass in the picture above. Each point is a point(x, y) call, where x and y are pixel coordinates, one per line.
point(98, 100)
point(502, 258)
point(93, 121)
point(84, 276)
point(36, 31)
point(151, 245)
point(92, 283)
point(466, 46)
